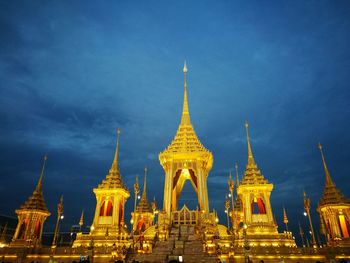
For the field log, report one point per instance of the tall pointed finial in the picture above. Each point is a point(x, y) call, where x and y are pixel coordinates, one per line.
point(39, 186)
point(115, 164)
point(81, 220)
point(285, 218)
point(328, 177)
point(185, 118)
point(250, 152)
point(144, 182)
point(237, 180)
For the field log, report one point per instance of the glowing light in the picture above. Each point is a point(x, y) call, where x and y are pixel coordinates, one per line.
point(180, 259)
point(305, 214)
point(62, 217)
point(229, 195)
point(138, 197)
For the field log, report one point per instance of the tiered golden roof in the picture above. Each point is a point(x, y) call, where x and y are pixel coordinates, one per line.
point(252, 175)
point(331, 194)
point(114, 180)
point(144, 206)
point(185, 140)
point(36, 200)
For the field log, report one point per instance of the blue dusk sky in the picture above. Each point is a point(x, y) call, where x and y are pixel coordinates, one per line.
point(71, 72)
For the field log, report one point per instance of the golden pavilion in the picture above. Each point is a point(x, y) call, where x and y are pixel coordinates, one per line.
point(178, 234)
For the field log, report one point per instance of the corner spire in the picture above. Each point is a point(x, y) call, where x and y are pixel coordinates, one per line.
point(185, 118)
point(285, 218)
point(39, 186)
point(237, 180)
point(144, 183)
point(115, 165)
point(328, 177)
point(81, 220)
point(250, 152)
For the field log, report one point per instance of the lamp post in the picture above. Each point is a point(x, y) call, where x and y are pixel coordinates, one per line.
point(136, 192)
point(307, 210)
point(301, 233)
point(227, 207)
point(60, 216)
point(231, 185)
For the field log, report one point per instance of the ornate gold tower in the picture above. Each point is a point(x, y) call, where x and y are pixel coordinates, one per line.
point(31, 217)
point(185, 159)
point(108, 227)
point(255, 191)
point(143, 216)
point(334, 211)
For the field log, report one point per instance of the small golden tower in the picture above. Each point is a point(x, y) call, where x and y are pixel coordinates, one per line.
point(31, 217)
point(334, 211)
point(111, 196)
point(185, 159)
point(143, 216)
point(255, 191)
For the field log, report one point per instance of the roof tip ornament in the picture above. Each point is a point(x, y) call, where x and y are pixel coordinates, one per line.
point(185, 118)
point(237, 180)
point(328, 177)
point(184, 68)
point(145, 181)
point(250, 152)
point(39, 186)
point(116, 154)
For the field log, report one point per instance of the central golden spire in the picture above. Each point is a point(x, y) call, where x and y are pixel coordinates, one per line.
point(115, 165)
point(186, 140)
point(185, 118)
point(250, 152)
point(328, 177)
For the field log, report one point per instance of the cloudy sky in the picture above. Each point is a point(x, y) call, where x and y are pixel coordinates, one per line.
point(72, 72)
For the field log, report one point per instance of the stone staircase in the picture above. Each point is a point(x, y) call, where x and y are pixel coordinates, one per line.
point(182, 241)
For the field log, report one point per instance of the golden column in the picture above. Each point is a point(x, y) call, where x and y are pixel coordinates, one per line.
point(136, 193)
point(307, 210)
point(227, 207)
point(59, 217)
point(231, 185)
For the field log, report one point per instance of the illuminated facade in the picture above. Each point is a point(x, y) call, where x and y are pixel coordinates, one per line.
point(254, 191)
point(334, 211)
point(31, 217)
point(160, 235)
point(108, 228)
point(185, 159)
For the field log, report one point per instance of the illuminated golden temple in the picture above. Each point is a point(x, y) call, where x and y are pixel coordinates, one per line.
point(178, 234)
